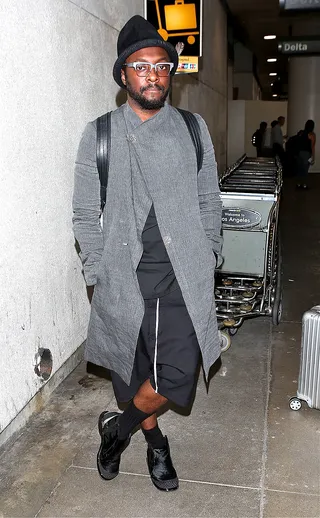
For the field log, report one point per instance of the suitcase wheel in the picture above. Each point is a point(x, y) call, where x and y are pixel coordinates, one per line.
point(295, 403)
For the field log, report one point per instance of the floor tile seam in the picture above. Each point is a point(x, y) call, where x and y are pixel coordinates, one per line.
point(57, 484)
point(300, 493)
point(190, 481)
point(51, 493)
point(265, 426)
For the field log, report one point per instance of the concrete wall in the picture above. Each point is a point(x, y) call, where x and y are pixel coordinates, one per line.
point(56, 74)
point(207, 92)
point(244, 118)
point(56, 61)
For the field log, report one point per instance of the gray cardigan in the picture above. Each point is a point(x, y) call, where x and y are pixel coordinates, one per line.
point(151, 162)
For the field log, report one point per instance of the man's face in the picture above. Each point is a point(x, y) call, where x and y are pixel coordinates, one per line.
point(148, 92)
point(282, 121)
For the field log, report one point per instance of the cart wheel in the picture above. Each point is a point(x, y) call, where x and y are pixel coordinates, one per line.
point(225, 341)
point(277, 311)
point(233, 331)
point(295, 403)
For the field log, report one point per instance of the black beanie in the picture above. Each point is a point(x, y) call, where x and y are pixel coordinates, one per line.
point(138, 34)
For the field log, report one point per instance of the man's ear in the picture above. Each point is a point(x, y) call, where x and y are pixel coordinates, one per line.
point(123, 77)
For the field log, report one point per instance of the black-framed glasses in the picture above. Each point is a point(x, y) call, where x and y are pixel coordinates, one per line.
point(143, 69)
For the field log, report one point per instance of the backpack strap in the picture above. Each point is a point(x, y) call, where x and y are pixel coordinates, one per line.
point(195, 134)
point(104, 146)
point(103, 153)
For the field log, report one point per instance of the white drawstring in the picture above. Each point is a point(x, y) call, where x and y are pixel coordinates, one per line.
point(156, 347)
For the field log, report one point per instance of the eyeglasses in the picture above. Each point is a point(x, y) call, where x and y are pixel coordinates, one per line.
point(143, 69)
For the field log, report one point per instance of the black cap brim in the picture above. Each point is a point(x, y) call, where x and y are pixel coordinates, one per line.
point(173, 55)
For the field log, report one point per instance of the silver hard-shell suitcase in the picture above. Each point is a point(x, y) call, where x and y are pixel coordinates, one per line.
point(309, 375)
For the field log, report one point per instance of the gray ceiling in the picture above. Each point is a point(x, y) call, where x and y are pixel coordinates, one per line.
point(261, 17)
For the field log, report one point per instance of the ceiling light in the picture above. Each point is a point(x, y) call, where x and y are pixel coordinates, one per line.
point(270, 37)
point(273, 74)
point(271, 84)
point(274, 95)
point(272, 60)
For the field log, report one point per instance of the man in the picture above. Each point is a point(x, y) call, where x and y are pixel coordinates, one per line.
point(277, 139)
point(152, 265)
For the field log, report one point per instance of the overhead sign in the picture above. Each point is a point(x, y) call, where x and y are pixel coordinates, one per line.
point(301, 5)
point(240, 218)
point(180, 23)
point(300, 46)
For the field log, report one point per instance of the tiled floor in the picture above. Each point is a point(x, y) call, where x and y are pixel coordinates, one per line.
point(240, 453)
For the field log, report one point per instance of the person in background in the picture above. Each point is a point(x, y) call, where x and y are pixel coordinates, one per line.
point(267, 145)
point(258, 138)
point(292, 152)
point(277, 138)
point(306, 154)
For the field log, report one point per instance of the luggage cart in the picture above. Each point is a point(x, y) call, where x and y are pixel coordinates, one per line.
point(249, 282)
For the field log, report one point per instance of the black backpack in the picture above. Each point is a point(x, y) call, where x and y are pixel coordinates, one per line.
point(293, 144)
point(104, 146)
point(254, 139)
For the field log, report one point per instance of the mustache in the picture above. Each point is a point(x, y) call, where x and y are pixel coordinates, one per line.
point(144, 88)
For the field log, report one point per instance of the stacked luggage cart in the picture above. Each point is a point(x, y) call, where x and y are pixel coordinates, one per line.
point(249, 282)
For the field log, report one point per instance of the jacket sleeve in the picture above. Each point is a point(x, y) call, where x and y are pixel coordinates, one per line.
point(86, 205)
point(209, 193)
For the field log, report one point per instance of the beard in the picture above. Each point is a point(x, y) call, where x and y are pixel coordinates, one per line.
point(148, 104)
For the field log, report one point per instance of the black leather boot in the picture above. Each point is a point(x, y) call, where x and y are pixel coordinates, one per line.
point(109, 454)
point(161, 469)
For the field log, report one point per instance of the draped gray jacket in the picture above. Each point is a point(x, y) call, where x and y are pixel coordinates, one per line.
point(151, 162)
